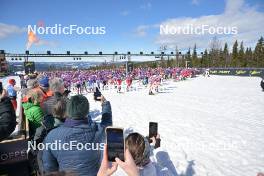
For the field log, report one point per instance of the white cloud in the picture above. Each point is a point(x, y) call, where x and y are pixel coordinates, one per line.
point(249, 23)
point(9, 30)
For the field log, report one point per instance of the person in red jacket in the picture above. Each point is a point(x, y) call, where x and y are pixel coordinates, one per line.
point(128, 82)
point(119, 82)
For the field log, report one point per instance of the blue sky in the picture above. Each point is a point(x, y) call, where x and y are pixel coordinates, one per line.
point(131, 25)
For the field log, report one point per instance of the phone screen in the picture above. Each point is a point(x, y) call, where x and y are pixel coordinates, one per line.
point(1, 87)
point(153, 129)
point(115, 143)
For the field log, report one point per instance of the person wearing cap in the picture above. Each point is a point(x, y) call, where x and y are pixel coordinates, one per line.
point(56, 86)
point(12, 92)
point(78, 128)
point(31, 84)
point(43, 88)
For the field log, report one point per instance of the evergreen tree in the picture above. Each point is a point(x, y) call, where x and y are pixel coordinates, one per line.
point(194, 57)
point(221, 62)
point(188, 57)
point(250, 58)
point(204, 60)
point(226, 56)
point(241, 56)
point(259, 53)
point(235, 55)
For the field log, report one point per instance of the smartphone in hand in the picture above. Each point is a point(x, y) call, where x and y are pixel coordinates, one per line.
point(97, 94)
point(153, 129)
point(115, 143)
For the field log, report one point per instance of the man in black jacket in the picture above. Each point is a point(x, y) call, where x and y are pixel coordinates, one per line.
point(7, 117)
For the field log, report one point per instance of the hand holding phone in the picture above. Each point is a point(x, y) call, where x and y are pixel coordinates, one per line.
point(129, 165)
point(105, 169)
point(153, 129)
point(97, 94)
point(115, 143)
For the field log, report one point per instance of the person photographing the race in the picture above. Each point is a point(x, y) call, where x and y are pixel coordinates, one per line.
point(79, 127)
point(141, 158)
point(97, 94)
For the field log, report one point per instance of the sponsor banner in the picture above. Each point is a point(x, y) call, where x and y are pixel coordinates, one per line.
point(29, 67)
point(13, 152)
point(129, 67)
point(237, 72)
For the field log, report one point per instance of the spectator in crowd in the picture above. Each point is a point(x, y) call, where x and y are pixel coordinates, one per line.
point(48, 123)
point(33, 111)
point(77, 127)
point(31, 84)
point(43, 88)
point(139, 148)
point(53, 120)
point(23, 83)
point(12, 92)
point(150, 159)
point(56, 86)
point(7, 115)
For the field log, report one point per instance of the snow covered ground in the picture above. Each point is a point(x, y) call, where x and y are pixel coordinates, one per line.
point(209, 126)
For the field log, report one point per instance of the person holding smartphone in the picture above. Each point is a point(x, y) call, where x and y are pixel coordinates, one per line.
point(141, 158)
point(79, 128)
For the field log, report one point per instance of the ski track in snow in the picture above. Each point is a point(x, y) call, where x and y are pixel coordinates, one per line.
point(209, 126)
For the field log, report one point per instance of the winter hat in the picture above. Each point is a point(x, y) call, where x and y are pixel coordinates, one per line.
point(44, 82)
point(78, 107)
point(12, 81)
